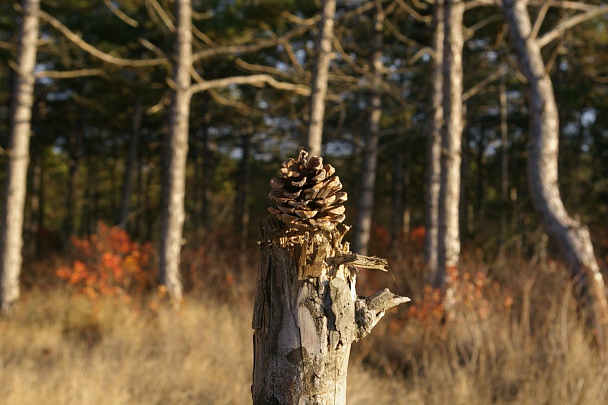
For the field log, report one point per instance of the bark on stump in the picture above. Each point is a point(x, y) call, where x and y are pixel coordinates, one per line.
point(307, 312)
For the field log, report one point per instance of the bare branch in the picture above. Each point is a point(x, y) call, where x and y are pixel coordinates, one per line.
point(71, 74)
point(151, 47)
point(261, 68)
point(85, 46)
point(572, 5)
point(162, 14)
point(413, 13)
point(6, 45)
point(200, 35)
point(255, 80)
point(540, 18)
point(573, 21)
point(128, 20)
point(489, 79)
point(249, 48)
point(239, 107)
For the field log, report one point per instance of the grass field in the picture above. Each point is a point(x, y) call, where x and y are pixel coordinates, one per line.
point(63, 349)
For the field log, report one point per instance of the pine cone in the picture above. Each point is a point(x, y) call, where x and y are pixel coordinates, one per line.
point(307, 193)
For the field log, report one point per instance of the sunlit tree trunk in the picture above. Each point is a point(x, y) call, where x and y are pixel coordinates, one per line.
point(176, 153)
point(449, 191)
point(11, 230)
point(570, 235)
point(433, 154)
point(370, 156)
point(323, 49)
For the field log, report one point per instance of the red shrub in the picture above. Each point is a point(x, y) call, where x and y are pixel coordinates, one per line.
point(109, 264)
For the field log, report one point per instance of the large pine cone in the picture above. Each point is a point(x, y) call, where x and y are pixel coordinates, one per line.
point(307, 193)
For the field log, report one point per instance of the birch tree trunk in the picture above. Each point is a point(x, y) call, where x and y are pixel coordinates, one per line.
point(11, 230)
point(323, 48)
point(449, 191)
point(370, 157)
point(176, 154)
point(433, 153)
point(570, 235)
point(307, 312)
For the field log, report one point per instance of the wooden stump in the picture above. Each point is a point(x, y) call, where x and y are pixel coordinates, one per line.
point(307, 314)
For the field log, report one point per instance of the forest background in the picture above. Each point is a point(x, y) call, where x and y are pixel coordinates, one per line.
point(97, 176)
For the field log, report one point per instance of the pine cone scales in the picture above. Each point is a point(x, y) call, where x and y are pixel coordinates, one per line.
point(307, 194)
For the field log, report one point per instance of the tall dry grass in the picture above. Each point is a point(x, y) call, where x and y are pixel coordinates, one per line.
point(516, 339)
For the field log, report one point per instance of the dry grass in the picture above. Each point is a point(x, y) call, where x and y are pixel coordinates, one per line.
point(63, 350)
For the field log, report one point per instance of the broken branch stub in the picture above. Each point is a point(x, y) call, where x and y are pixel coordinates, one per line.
point(307, 312)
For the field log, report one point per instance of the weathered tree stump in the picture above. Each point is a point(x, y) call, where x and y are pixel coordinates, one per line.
point(307, 312)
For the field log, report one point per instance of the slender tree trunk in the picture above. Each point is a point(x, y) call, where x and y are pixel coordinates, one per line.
point(73, 200)
point(504, 166)
point(323, 48)
point(449, 192)
point(370, 157)
point(131, 163)
point(34, 219)
point(11, 229)
point(176, 154)
point(433, 152)
point(208, 175)
point(397, 202)
point(570, 235)
point(244, 187)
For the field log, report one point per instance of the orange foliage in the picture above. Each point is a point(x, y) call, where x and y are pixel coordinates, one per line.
point(463, 292)
point(109, 264)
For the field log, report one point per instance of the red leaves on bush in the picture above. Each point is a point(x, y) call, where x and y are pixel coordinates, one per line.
point(108, 263)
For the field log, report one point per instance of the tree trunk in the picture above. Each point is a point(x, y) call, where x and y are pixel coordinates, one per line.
point(131, 163)
point(307, 312)
point(449, 192)
point(370, 157)
point(11, 230)
point(571, 236)
point(244, 179)
point(73, 197)
point(433, 152)
point(323, 49)
point(397, 200)
point(504, 167)
point(176, 154)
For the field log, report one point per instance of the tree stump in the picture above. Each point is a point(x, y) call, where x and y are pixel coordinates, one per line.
point(307, 312)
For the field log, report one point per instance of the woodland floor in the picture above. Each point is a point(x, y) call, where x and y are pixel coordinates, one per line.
point(506, 341)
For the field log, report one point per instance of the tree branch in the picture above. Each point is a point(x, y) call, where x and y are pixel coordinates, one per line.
point(128, 20)
point(167, 21)
point(565, 25)
point(85, 46)
point(249, 48)
point(255, 80)
point(489, 79)
point(72, 74)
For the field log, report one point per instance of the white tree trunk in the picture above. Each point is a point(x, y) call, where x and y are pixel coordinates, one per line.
point(433, 154)
point(571, 236)
point(323, 49)
point(176, 154)
point(451, 143)
point(370, 157)
point(11, 231)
